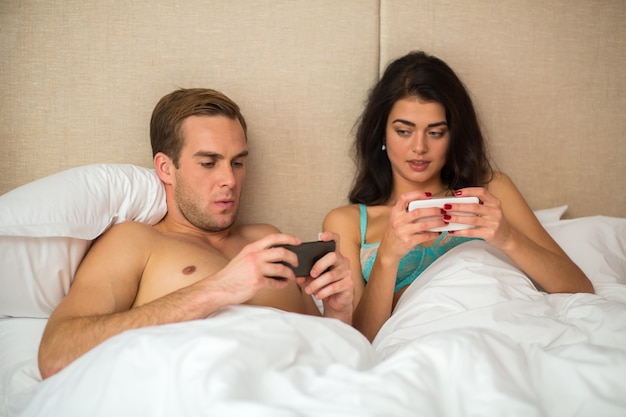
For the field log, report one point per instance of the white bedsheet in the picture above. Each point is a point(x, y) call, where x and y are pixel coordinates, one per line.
point(471, 337)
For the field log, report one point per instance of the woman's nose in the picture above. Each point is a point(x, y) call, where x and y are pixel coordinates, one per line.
point(419, 144)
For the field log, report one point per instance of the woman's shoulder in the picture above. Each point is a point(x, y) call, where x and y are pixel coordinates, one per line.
point(342, 217)
point(344, 220)
point(344, 212)
point(499, 179)
point(503, 187)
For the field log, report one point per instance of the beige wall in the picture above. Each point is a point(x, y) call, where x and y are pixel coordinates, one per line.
point(549, 83)
point(80, 79)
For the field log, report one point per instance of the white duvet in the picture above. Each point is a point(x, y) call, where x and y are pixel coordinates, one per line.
point(470, 337)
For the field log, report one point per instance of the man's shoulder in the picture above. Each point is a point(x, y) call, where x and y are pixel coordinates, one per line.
point(254, 231)
point(129, 226)
point(129, 240)
point(128, 230)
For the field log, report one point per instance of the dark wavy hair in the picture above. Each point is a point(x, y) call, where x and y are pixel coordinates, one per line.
point(420, 75)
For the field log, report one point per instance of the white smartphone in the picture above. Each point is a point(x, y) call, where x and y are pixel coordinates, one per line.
point(439, 202)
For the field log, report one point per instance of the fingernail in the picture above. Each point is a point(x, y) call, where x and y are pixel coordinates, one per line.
point(443, 211)
point(447, 217)
point(428, 194)
point(447, 207)
point(458, 192)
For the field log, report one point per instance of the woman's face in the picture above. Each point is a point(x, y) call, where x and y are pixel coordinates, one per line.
point(417, 140)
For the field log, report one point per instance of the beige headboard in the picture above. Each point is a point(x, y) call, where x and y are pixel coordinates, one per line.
point(80, 79)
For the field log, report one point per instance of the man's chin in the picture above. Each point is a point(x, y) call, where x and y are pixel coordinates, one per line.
point(220, 224)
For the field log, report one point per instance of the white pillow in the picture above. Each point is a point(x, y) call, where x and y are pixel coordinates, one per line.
point(46, 227)
point(550, 215)
point(597, 244)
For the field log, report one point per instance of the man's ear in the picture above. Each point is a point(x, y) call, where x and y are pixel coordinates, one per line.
point(164, 168)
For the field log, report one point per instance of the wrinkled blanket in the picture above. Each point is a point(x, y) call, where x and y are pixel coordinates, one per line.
point(471, 337)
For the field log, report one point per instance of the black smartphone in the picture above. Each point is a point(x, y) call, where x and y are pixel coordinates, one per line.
point(308, 253)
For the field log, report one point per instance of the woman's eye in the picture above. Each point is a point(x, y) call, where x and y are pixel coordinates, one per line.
point(402, 132)
point(436, 134)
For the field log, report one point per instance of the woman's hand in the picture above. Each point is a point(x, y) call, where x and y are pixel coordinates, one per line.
point(507, 222)
point(490, 223)
point(408, 229)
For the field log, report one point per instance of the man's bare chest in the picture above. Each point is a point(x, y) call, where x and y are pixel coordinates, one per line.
point(175, 263)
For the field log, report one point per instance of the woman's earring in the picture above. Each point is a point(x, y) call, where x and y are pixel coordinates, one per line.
point(384, 147)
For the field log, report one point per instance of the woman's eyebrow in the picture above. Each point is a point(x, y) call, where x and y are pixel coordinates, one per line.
point(406, 122)
point(442, 123)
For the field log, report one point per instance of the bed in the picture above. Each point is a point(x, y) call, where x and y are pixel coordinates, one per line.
point(471, 337)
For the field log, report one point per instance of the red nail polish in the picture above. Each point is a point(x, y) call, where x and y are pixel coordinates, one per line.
point(443, 211)
point(447, 217)
point(428, 194)
point(447, 207)
point(458, 192)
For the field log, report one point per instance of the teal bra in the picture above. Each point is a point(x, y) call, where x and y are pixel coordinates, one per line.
point(414, 262)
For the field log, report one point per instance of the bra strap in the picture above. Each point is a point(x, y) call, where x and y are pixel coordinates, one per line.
point(363, 222)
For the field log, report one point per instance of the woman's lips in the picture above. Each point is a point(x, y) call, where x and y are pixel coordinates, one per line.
point(419, 165)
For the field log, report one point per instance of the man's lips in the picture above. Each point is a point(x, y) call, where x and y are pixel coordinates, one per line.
point(225, 204)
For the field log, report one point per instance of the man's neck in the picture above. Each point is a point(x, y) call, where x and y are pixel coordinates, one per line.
point(217, 239)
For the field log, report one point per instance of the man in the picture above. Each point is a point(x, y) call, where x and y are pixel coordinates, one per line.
point(195, 260)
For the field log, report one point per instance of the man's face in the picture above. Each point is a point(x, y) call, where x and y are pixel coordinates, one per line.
point(211, 171)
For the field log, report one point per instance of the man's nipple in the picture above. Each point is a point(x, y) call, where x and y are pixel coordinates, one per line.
point(189, 269)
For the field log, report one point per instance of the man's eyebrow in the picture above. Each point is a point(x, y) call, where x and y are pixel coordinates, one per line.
point(208, 154)
point(406, 122)
point(215, 155)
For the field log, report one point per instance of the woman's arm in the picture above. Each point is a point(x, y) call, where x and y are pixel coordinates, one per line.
point(373, 303)
point(507, 222)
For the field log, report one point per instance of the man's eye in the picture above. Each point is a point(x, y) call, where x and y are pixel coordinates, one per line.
point(208, 164)
point(238, 164)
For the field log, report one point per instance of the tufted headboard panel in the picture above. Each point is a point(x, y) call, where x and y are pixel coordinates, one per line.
point(79, 81)
point(549, 83)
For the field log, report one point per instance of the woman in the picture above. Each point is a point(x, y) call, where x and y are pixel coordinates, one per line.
point(419, 138)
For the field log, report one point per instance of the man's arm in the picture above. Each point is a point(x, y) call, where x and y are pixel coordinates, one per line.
point(99, 303)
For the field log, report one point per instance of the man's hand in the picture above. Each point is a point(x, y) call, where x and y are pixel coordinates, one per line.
point(331, 281)
point(257, 266)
